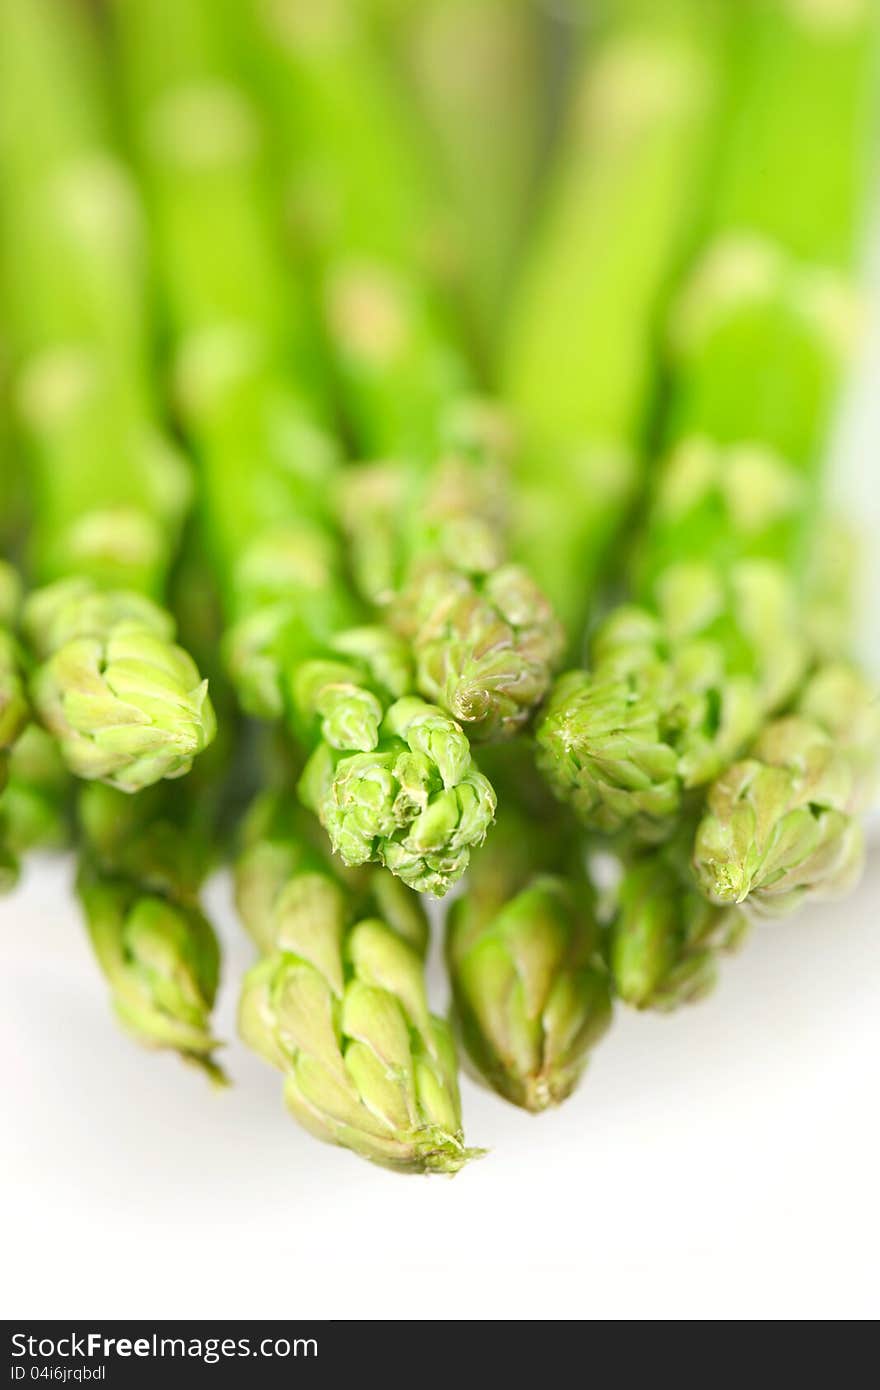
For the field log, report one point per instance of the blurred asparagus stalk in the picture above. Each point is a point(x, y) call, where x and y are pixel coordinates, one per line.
point(254, 410)
point(35, 810)
point(337, 1002)
point(361, 210)
point(680, 686)
point(477, 70)
point(624, 201)
point(14, 707)
point(125, 703)
point(484, 638)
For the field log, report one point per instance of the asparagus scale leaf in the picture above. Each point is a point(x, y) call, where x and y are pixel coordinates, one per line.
point(124, 701)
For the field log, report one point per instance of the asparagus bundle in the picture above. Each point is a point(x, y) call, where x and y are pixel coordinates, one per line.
point(424, 529)
point(371, 613)
point(337, 1002)
point(531, 994)
point(125, 703)
point(390, 778)
point(623, 203)
point(679, 686)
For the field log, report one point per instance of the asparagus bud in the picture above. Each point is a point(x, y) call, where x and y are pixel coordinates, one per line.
point(161, 962)
point(455, 513)
point(338, 1004)
point(348, 698)
point(781, 824)
point(416, 803)
point(531, 995)
point(126, 704)
point(660, 712)
point(485, 648)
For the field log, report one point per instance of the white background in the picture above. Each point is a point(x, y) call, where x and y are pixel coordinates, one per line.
point(721, 1163)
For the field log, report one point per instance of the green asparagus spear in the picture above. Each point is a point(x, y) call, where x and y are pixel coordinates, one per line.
point(782, 825)
point(483, 636)
point(108, 489)
point(625, 198)
point(337, 1002)
point(530, 991)
point(760, 334)
point(255, 413)
point(143, 861)
point(405, 385)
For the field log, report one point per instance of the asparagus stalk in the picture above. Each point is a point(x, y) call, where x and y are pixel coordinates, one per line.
point(478, 70)
point(254, 411)
point(362, 212)
point(531, 995)
point(337, 1002)
point(760, 335)
point(405, 385)
point(782, 825)
point(624, 201)
point(108, 489)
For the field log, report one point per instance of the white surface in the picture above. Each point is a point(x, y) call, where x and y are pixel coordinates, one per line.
point(719, 1163)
